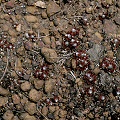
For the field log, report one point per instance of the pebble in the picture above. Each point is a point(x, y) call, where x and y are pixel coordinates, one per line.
point(74, 63)
point(117, 20)
point(40, 4)
point(3, 91)
point(35, 95)
point(44, 15)
point(31, 18)
point(49, 85)
point(31, 9)
point(62, 113)
point(45, 110)
point(8, 115)
point(110, 54)
point(96, 52)
point(16, 99)
point(49, 54)
point(52, 109)
point(26, 116)
point(5, 27)
point(96, 70)
point(52, 8)
point(12, 33)
point(30, 108)
point(21, 50)
point(110, 27)
point(25, 86)
point(3, 101)
point(18, 28)
point(46, 40)
point(38, 84)
point(51, 116)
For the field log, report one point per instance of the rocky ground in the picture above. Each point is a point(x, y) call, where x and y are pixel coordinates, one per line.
point(59, 59)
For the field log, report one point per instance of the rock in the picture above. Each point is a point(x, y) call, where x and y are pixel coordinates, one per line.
point(44, 110)
point(3, 101)
point(18, 28)
point(30, 108)
point(38, 84)
point(62, 113)
point(49, 54)
point(3, 91)
point(117, 20)
point(8, 115)
point(110, 54)
point(44, 15)
point(52, 8)
point(31, 18)
point(110, 27)
point(51, 116)
point(15, 118)
point(35, 95)
point(96, 70)
point(26, 116)
point(49, 85)
point(98, 36)
point(5, 27)
point(21, 50)
point(52, 109)
point(96, 52)
point(12, 33)
point(10, 4)
point(40, 4)
point(77, 112)
point(16, 99)
point(25, 86)
point(90, 115)
point(73, 63)
point(31, 9)
point(46, 40)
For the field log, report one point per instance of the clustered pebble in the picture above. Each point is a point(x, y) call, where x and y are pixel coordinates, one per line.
point(59, 60)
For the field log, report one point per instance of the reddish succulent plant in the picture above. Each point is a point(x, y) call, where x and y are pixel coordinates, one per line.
point(90, 90)
point(82, 60)
point(42, 72)
point(70, 40)
point(108, 65)
point(90, 77)
point(4, 45)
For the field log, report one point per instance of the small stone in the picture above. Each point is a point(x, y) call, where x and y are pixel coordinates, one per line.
point(30, 108)
point(25, 86)
point(31, 9)
point(44, 15)
point(96, 70)
point(117, 20)
point(62, 113)
point(8, 115)
point(38, 84)
point(15, 118)
point(12, 33)
point(98, 35)
point(110, 27)
point(45, 110)
point(52, 109)
point(16, 99)
point(51, 116)
point(90, 115)
point(10, 4)
point(18, 28)
point(3, 91)
point(73, 63)
point(35, 95)
point(26, 116)
point(46, 40)
point(5, 27)
point(49, 54)
point(21, 50)
point(49, 85)
point(89, 9)
point(3, 101)
point(31, 18)
point(55, 22)
point(52, 8)
point(40, 4)
point(110, 54)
